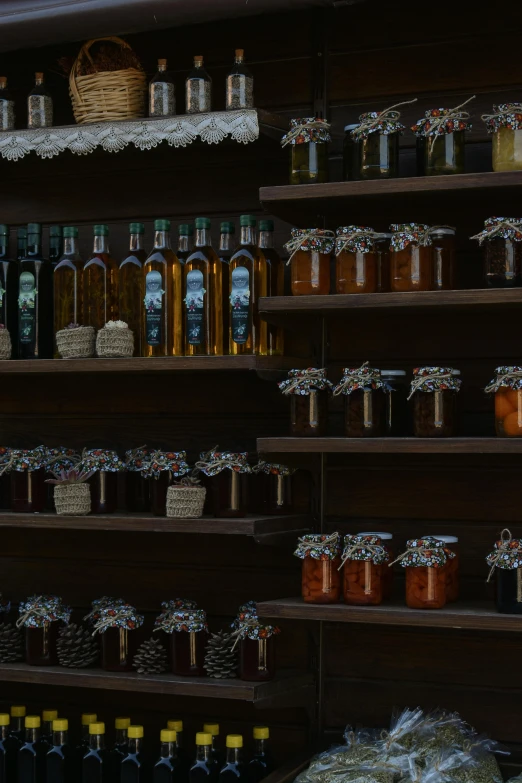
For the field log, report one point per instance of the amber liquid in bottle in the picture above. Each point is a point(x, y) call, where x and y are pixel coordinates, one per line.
point(185, 246)
point(100, 285)
point(35, 301)
point(203, 299)
point(247, 281)
point(275, 286)
point(55, 244)
point(68, 286)
point(161, 310)
point(130, 288)
point(226, 251)
point(8, 289)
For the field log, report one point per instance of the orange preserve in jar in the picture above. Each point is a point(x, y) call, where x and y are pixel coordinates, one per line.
point(451, 546)
point(387, 571)
point(310, 251)
point(356, 260)
point(411, 257)
point(425, 561)
point(321, 578)
point(364, 560)
point(507, 387)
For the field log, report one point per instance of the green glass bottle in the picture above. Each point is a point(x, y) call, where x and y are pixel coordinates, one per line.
point(35, 300)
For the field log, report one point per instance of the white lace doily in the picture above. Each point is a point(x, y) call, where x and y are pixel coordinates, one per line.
point(241, 125)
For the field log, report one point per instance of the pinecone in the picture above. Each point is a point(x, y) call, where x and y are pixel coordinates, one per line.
point(221, 662)
point(10, 643)
point(77, 648)
point(151, 658)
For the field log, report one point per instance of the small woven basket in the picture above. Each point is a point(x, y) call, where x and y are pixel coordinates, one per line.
point(5, 344)
point(76, 343)
point(185, 502)
point(114, 343)
point(107, 95)
point(72, 499)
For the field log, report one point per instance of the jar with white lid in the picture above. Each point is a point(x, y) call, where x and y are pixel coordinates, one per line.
point(452, 565)
point(396, 403)
point(387, 543)
point(349, 152)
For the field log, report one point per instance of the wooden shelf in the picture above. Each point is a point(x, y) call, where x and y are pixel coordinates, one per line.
point(391, 445)
point(472, 616)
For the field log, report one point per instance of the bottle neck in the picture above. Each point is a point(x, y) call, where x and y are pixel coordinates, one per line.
point(70, 248)
point(266, 239)
point(101, 244)
point(59, 738)
point(225, 242)
point(121, 737)
point(203, 752)
point(135, 242)
point(33, 244)
point(41, 81)
point(203, 237)
point(260, 747)
point(55, 246)
point(248, 235)
point(233, 755)
point(3, 247)
point(32, 735)
point(179, 739)
point(168, 750)
point(238, 60)
point(162, 239)
point(162, 68)
point(215, 739)
point(47, 728)
point(17, 724)
point(185, 243)
point(97, 741)
point(135, 745)
point(4, 732)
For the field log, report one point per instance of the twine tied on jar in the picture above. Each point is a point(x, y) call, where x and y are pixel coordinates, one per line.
point(505, 115)
point(363, 377)
point(41, 609)
point(506, 376)
point(213, 462)
point(427, 552)
point(252, 628)
point(120, 616)
point(320, 240)
point(358, 239)
point(507, 554)
point(184, 619)
point(306, 130)
point(500, 227)
point(432, 379)
point(385, 121)
point(304, 381)
point(319, 546)
point(361, 547)
point(440, 121)
point(134, 458)
point(102, 603)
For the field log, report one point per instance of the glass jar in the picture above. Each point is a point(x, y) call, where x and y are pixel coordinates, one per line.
point(503, 262)
point(364, 562)
point(187, 653)
point(355, 260)
point(508, 412)
point(505, 562)
point(40, 644)
point(28, 491)
point(271, 488)
point(425, 563)
point(350, 153)
point(505, 125)
point(451, 545)
point(420, 155)
point(320, 575)
point(228, 492)
point(158, 493)
point(434, 391)
point(364, 402)
point(104, 492)
point(257, 659)
point(410, 258)
point(377, 152)
point(445, 155)
point(443, 246)
point(396, 403)
point(310, 252)
point(119, 646)
point(308, 139)
point(382, 251)
point(309, 414)
point(387, 569)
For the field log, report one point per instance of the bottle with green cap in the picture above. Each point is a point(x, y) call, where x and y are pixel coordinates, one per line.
point(203, 770)
point(48, 716)
point(8, 290)
point(35, 300)
point(130, 282)
point(217, 756)
point(100, 283)
point(96, 762)
point(61, 759)
point(21, 238)
point(168, 768)
point(261, 764)
point(55, 244)
point(233, 769)
point(275, 282)
point(68, 283)
point(133, 769)
point(121, 745)
point(32, 754)
point(162, 313)
point(9, 747)
point(185, 241)
point(247, 282)
point(203, 298)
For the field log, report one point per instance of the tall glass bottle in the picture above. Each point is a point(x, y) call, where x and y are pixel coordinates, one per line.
point(167, 769)
point(240, 84)
point(203, 770)
point(162, 314)
point(61, 762)
point(83, 746)
point(32, 754)
point(133, 765)
point(9, 747)
point(131, 282)
point(21, 236)
point(96, 762)
point(183, 756)
point(185, 241)
point(275, 284)
point(216, 754)
point(203, 296)
point(39, 105)
point(7, 107)
point(55, 244)
point(247, 281)
point(162, 97)
point(261, 763)
point(120, 747)
point(100, 283)
point(8, 289)
point(198, 89)
point(68, 283)
point(48, 718)
point(35, 300)
point(226, 251)
point(233, 770)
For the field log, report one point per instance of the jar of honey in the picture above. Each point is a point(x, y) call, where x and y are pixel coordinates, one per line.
point(321, 578)
point(425, 561)
point(505, 562)
point(411, 257)
point(137, 494)
point(160, 468)
point(364, 560)
point(377, 142)
point(271, 488)
point(308, 391)
point(443, 244)
point(105, 466)
point(308, 140)
point(27, 470)
point(364, 394)
point(444, 132)
point(310, 252)
point(434, 391)
point(357, 260)
point(451, 546)
point(507, 387)
point(118, 625)
point(501, 240)
point(505, 125)
point(41, 617)
point(227, 477)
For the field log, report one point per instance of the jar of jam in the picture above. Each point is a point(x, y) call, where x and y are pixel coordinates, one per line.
point(377, 142)
point(451, 546)
point(387, 570)
point(321, 578)
point(164, 623)
point(443, 245)
point(350, 153)
point(137, 493)
point(27, 469)
point(505, 125)
point(434, 391)
point(396, 402)
point(118, 625)
point(226, 480)
point(444, 131)
point(271, 488)
point(507, 387)
point(364, 560)
point(505, 562)
point(308, 140)
point(188, 641)
point(411, 257)
point(308, 391)
point(356, 260)
point(257, 652)
point(160, 469)
point(310, 252)
point(425, 561)
point(501, 240)
point(382, 251)
point(364, 394)
point(41, 617)
point(105, 465)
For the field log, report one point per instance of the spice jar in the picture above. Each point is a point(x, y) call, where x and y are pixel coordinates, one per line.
point(227, 477)
point(308, 139)
point(451, 547)
point(382, 251)
point(356, 260)
point(42, 616)
point(425, 561)
point(105, 465)
point(320, 579)
point(308, 391)
point(137, 494)
point(502, 243)
point(396, 402)
point(27, 470)
point(386, 540)
point(410, 257)
point(377, 144)
point(350, 152)
point(443, 258)
point(256, 645)
point(443, 131)
point(160, 469)
point(506, 563)
point(271, 486)
point(505, 125)
point(118, 625)
point(507, 386)
point(364, 394)
point(364, 559)
point(163, 624)
point(434, 391)
point(310, 250)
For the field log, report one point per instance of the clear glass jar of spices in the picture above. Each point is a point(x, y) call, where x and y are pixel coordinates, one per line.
point(507, 387)
point(364, 394)
point(425, 561)
point(377, 144)
point(320, 576)
point(434, 391)
point(198, 89)
point(364, 560)
point(356, 260)
point(505, 125)
point(310, 253)
point(308, 139)
point(505, 562)
point(39, 105)
point(162, 96)
point(501, 240)
point(443, 257)
point(308, 391)
point(411, 257)
point(240, 84)
point(444, 132)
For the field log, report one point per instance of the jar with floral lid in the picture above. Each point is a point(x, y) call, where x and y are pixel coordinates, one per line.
point(257, 660)
point(443, 244)
point(386, 540)
point(410, 257)
point(320, 578)
point(137, 488)
point(308, 391)
point(505, 562)
point(444, 132)
point(505, 125)
point(397, 423)
point(100, 604)
point(507, 388)
point(105, 465)
point(501, 240)
point(5, 480)
point(364, 394)
point(59, 460)
point(357, 260)
point(163, 622)
point(188, 632)
point(425, 560)
point(226, 480)
point(271, 486)
point(118, 625)
point(451, 547)
point(308, 139)
point(41, 617)
point(310, 253)
point(376, 138)
point(434, 391)
point(363, 562)
point(160, 468)
point(27, 469)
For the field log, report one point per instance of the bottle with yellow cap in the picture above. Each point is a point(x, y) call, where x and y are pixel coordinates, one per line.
point(48, 716)
point(83, 746)
point(183, 757)
point(9, 747)
point(133, 765)
point(17, 722)
point(96, 762)
point(121, 746)
point(61, 760)
point(234, 769)
point(32, 754)
point(203, 770)
point(261, 763)
point(217, 756)
point(168, 768)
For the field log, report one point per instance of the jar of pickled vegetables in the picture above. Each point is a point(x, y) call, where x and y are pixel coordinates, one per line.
point(425, 561)
point(364, 560)
point(308, 140)
point(227, 477)
point(118, 625)
point(382, 251)
point(310, 253)
point(505, 125)
point(451, 547)
point(27, 470)
point(501, 240)
point(104, 465)
point(41, 618)
point(396, 402)
point(434, 391)
point(377, 143)
point(137, 486)
point(356, 260)
point(308, 391)
point(507, 387)
point(364, 394)
point(444, 131)
point(160, 469)
point(387, 571)
point(505, 562)
point(410, 257)
point(321, 578)
point(350, 150)
point(271, 488)
point(443, 244)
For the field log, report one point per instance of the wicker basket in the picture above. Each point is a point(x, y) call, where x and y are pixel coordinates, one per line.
point(114, 343)
point(185, 502)
point(108, 95)
point(72, 499)
point(76, 343)
point(5, 344)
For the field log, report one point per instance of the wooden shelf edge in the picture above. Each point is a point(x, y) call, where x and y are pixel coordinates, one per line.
point(336, 445)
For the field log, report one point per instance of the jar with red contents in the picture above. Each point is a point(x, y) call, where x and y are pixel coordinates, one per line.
point(118, 624)
point(271, 488)
point(27, 469)
point(308, 391)
point(160, 469)
point(507, 387)
point(505, 561)
point(364, 560)
point(321, 578)
point(411, 257)
point(188, 636)
point(137, 486)
point(41, 617)
point(310, 252)
point(451, 546)
point(387, 571)
point(226, 478)
point(364, 394)
point(434, 391)
point(426, 580)
point(105, 465)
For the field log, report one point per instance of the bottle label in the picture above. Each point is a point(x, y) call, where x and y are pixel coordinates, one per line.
point(27, 307)
point(195, 302)
point(240, 304)
point(154, 294)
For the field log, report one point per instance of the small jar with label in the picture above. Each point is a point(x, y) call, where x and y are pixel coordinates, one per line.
point(161, 468)
point(105, 466)
point(501, 240)
point(443, 256)
point(41, 617)
point(434, 391)
point(425, 563)
point(308, 391)
point(137, 494)
point(308, 139)
point(188, 639)
point(505, 562)
point(364, 394)
point(226, 478)
point(118, 626)
point(320, 578)
point(451, 547)
point(397, 420)
point(444, 133)
point(411, 257)
point(377, 141)
point(505, 125)
point(382, 251)
point(310, 254)
point(27, 470)
point(507, 387)
point(387, 571)
point(257, 659)
point(356, 260)
point(271, 488)
point(350, 153)
point(364, 560)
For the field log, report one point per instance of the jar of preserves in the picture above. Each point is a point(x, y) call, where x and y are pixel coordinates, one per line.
point(505, 125)
point(443, 244)
point(382, 251)
point(310, 253)
point(105, 466)
point(227, 478)
point(188, 639)
point(27, 469)
point(425, 561)
point(356, 260)
point(396, 402)
point(118, 625)
point(364, 394)
point(137, 494)
point(502, 246)
point(451, 547)
point(271, 488)
point(377, 144)
point(434, 391)
point(308, 140)
point(444, 132)
point(505, 562)
point(308, 391)
point(364, 560)
point(387, 570)
point(321, 578)
point(164, 623)
point(41, 617)
point(507, 387)
point(350, 151)
point(257, 660)
point(160, 469)
point(410, 257)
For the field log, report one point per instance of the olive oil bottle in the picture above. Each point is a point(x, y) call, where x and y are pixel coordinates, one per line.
point(247, 282)
point(100, 283)
point(203, 300)
point(21, 236)
point(96, 762)
point(131, 282)
point(168, 768)
point(8, 289)
point(35, 300)
point(32, 754)
point(226, 251)
point(185, 241)
point(133, 765)
point(162, 314)
point(68, 283)
point(9, 747)
point(275, 284)
point(60, 761)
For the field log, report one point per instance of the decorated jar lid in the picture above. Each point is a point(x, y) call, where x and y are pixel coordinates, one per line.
point(506, 554)
point(500, 228)
point(319, 240)
point(182, 620)
point(404, 234)
point(255, 630)
point(427, 552)
point(38, 610)
point(304, 381)
point(100, 459)
point(505, 115)
point(118, 616)
point(319, 546)
point(135, 459)
point(213, 462)
point(306, 129)
point(246, 611)
point(273, 468)
point(356, 239)
point(61, 459)
point(364, 547)
point(438, 122)
point(174, 605)
point(102, 603)
point(5, 454)
point(159, 461)
point(363, 377)
point(29, 460)
point(384, 122)
point(430, 379)
point(505, 377)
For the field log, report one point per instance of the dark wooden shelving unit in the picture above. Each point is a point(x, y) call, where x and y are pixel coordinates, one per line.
point(391, 445)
